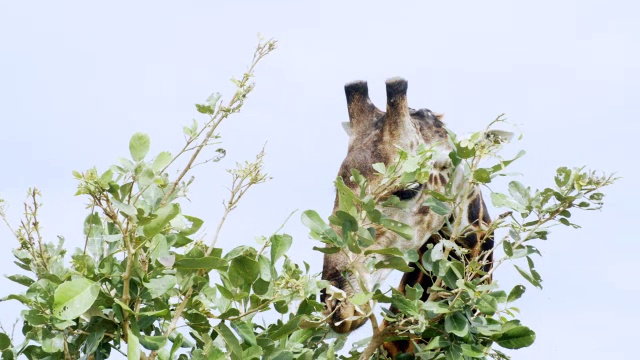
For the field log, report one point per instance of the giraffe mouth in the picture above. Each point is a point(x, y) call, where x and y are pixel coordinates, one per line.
point(342, 315)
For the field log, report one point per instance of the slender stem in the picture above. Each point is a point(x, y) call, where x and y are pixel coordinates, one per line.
point(218, 229)
point(36, 226)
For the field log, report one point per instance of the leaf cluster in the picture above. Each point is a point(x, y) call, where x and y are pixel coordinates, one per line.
point(148, 284)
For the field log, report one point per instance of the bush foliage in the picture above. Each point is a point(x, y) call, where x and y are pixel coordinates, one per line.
point(145, 287)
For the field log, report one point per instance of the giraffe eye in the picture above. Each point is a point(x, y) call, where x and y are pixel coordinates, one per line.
point(409, 192)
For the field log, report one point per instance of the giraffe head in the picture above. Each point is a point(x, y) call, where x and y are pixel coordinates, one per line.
point(375, 137)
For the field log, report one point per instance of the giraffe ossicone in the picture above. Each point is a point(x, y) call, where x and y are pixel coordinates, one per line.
point(377, 136)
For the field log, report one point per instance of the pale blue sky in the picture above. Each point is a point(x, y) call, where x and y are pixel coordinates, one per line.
point(78, 78)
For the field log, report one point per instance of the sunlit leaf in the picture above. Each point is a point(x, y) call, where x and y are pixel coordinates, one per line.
point(280, 244)
point(133, 346)
point(164, 215)
point(73, 298)
point(361, 298)
point(196, 223)
point(139, 146)
point(161, 161)
point(159, 286)
point(313, 221)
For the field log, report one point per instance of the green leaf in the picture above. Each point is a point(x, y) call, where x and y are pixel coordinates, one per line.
point(394, 263)
point(145, 177)
point(93, 341)
point(162, 160)
point(280, 244)
point(436, 343)
point(411, 256)
point(265, 268)
point(35, 318)
point(516, 293)
point(20, 279)
point(379, 167)
point(73, 298)
point(8, 354)
point(233, 345)
point(160, 286)
point(206, 263)
point(437, 206)
point(313, 221)
point(204, 109)
point(503, 164)
point(454, 353)
point(563, 175)
point(327, 250)
point(52, 342)
point(245, 267)
point(520, 193)
point(159, 247)
point(414, 292)
point(529, 277)
point(392, 251)
point(502, 200)
point(126, 209)
point(196, 223)
point(286, 329)
point(164, 215)
point(472, 350)
point(403, 304)
point(139, 146)
point(177, 342)
point(457, 324)
point(281, 306)
point(346, 197)
point(245, 330)
point(5, 342)
point(152, 342)
point(133, 346)
point(397, 227)
point(347, 220)
point(252, 352)
point(487, 304)
point(124, 306)
point(508, 249)
point(516, 338)
point(361, 298)
point(482, 175)
point(464, 152)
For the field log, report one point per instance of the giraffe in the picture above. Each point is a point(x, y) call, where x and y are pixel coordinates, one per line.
point(374, 137)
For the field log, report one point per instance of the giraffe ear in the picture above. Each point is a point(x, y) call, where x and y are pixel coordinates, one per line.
point(347, 128)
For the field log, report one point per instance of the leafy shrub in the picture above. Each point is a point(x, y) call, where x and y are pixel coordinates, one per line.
point(144, 281)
